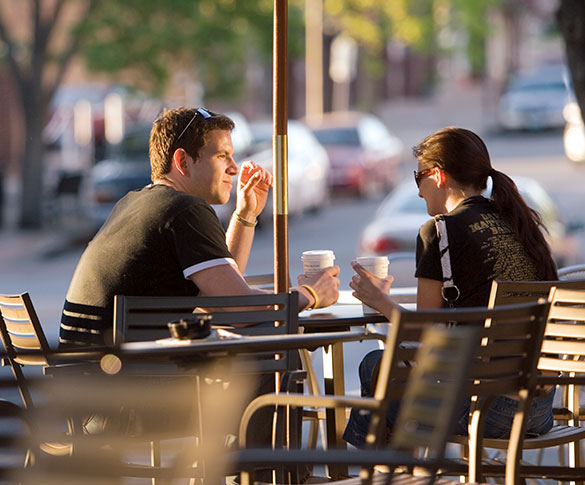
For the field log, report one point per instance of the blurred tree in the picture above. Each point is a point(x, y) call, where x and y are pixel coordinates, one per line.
point(37, 53)
point(571, 19)
point(140, 41)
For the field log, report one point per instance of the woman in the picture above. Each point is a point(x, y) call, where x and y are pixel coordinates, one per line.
point(497, 238)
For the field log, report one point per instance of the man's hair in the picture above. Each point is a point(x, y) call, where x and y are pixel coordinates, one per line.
point(184, 128)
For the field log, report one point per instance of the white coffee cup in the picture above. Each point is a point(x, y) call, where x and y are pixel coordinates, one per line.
point(377, 265)
point(316, 260)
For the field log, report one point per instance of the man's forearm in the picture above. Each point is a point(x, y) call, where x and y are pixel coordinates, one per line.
point(239, 238)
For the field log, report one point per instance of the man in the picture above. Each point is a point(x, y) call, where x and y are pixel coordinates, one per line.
point(165, 239)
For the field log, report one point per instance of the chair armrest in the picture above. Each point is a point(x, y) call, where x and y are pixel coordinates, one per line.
point(301, 400)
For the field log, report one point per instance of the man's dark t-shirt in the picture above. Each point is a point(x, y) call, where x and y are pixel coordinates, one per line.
point(152, 242)
point(482, 248)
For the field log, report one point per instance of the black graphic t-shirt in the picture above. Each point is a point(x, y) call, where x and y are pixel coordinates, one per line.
point(482, 247)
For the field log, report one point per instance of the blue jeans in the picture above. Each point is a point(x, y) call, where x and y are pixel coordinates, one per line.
point(498, 421)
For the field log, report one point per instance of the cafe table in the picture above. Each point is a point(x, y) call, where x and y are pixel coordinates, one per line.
point(343, 315)
point(327, 327)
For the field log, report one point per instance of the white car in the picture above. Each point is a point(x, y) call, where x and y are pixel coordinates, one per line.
point(308, 170)
point(395, 225)
point(534, 100)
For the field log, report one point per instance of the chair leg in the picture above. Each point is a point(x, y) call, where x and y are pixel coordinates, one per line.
point(475, 447)
point(155, 457)
point(313, 387)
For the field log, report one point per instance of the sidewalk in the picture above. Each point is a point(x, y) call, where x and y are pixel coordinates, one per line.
point(18, 245)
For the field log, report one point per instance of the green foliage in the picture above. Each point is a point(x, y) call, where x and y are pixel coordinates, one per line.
point(147, 41)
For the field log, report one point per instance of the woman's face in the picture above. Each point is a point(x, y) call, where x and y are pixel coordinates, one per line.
point(431, 188)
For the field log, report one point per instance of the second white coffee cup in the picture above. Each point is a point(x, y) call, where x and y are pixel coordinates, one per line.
point(316, 260)
point(378, 265)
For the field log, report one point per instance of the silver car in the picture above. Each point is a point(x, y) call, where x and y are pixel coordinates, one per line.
point(395, 225)
point(534, 100)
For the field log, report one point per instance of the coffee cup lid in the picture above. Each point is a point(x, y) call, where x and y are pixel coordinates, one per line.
point(318, 253)
point(372, 260)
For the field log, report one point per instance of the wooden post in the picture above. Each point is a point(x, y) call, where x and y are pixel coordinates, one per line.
point(279, 146)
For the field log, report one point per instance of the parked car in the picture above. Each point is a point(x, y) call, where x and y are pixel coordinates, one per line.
point(574, 134)
point(365, 157)
point(395, 225)
point(308, 170)
point(127, 168)
point(534, 100)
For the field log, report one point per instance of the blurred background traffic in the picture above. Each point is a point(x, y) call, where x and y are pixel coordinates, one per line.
point(81, 82)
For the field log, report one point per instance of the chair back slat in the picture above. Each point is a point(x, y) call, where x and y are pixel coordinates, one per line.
point(497, 368)
point(496, 387)
point(567, 313)
point(513, 292)
point(18, 327)
point(561, 365)
point(569, 330)
point(14, 312)
point(505, 349)
point(24, 342)
point(564, 346)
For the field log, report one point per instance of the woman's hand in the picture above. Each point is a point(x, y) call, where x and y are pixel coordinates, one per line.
point(254, 183)
point(370, 289)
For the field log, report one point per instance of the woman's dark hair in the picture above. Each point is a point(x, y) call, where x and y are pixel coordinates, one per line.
point(464, 156)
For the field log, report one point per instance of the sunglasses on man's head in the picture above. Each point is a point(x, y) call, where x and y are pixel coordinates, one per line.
point(420, 174)
point(199, 112)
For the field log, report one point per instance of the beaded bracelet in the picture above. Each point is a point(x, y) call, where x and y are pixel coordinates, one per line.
point(244, 221)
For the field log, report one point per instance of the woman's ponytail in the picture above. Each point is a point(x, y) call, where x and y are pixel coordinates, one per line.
point(524, 221)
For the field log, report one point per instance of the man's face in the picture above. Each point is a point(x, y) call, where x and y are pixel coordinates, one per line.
point(215, 168)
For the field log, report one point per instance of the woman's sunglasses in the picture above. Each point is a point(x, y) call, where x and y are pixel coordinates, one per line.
point(420, 174)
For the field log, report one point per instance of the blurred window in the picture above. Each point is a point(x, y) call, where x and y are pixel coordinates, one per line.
point(338, 136)
point(135, 146)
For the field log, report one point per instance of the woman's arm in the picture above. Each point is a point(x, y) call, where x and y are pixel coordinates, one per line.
point(428, 294)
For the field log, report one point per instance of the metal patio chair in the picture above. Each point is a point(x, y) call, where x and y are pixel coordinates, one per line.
point(570, 273)
point(513, 331)
point(563, 351)
point(140, 318)
point(425, 418)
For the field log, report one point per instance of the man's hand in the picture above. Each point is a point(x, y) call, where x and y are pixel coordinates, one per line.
point(253, 185)
point(325, 283)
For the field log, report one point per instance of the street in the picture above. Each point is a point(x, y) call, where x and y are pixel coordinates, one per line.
point(336, 227)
